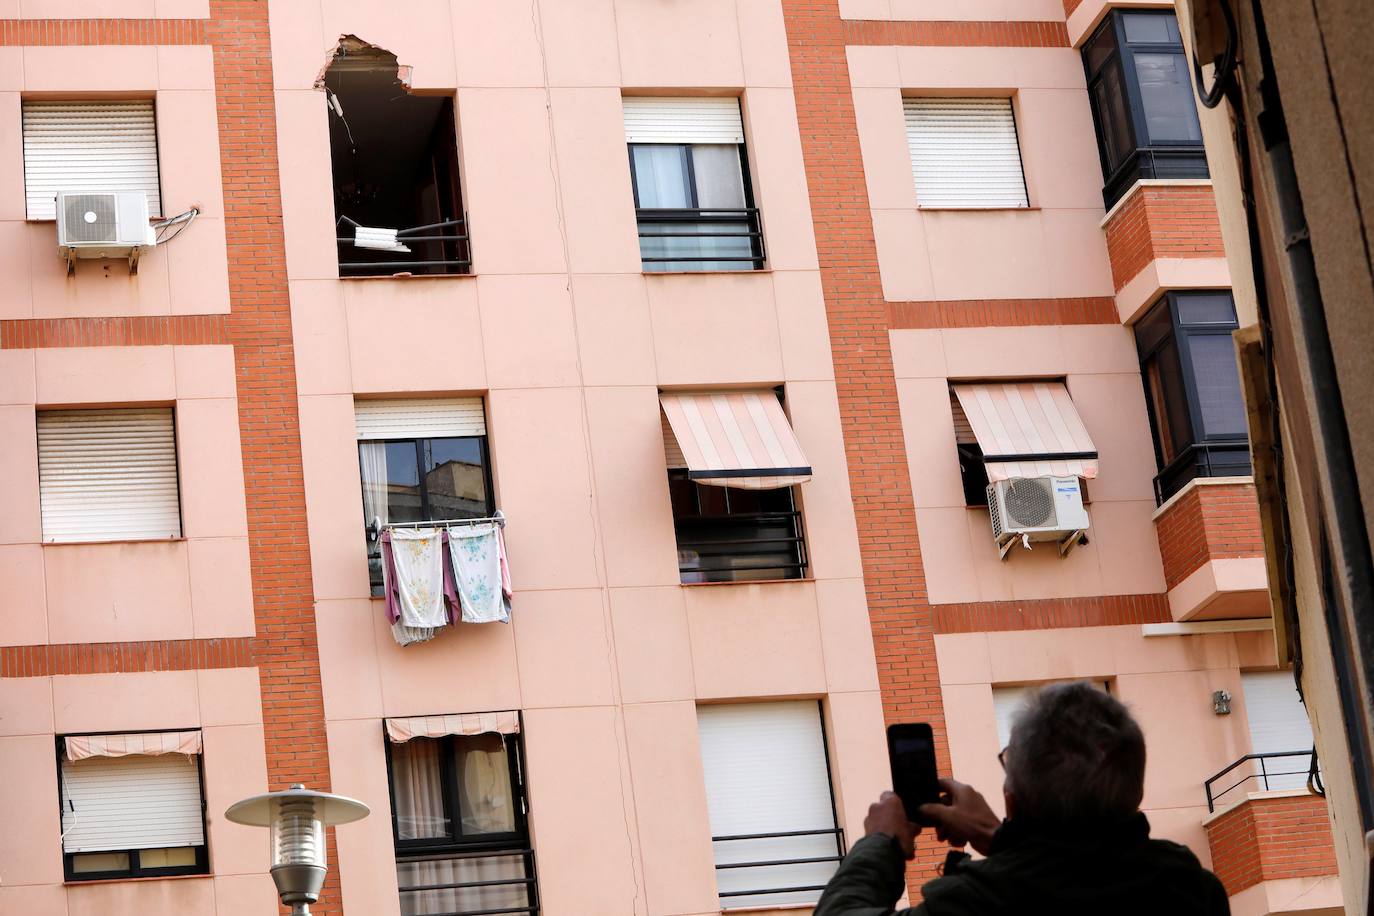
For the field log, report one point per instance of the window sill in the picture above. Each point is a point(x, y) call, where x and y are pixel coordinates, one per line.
point(746, 582)
point(978, 209)
point(178, 540)
point(771, 908)
point(409, 276)
point(95, 881)
point(706, 273)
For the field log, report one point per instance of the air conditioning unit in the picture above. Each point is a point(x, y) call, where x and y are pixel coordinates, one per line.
point(1031, 509)
point(103, 224)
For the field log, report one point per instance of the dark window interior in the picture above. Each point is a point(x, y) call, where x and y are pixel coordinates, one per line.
point(974, 474)
point(695, 207)
point(394, 156)
point(430, 480)
point(727, 534)
point(459, 825)
point(1192, 389)
point(1142, 101)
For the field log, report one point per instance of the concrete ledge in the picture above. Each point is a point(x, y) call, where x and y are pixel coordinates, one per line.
point(1222, 589)
point(1315, 896)
point(1091, 12)
point(1163, 274)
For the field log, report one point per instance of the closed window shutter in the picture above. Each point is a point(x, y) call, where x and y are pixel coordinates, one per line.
point(108, 475)
point(1008, 701)
point(661, 120)
point(420, 418)
point(131, 803)
point(1278, 725)
point(766, 772)
point(88, 146)
point(964, 153)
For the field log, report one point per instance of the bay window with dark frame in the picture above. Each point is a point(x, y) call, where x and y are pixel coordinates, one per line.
point(459, 822)
point(1192, 388)
point(1142, 101)
point(420, 480)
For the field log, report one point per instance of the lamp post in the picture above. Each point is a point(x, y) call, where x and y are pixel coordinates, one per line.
point(297, 817)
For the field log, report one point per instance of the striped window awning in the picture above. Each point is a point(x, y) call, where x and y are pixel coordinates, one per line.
point(401, 730)
point(734, 439)
point(147, 744)
point(1028, 429)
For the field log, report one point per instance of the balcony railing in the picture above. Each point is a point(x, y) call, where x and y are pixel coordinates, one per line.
point(785, 869)
point(452, 236)
point(1203, 459)
point(1154, 162)
point(745, 545)
point(699, 239)
point(485, 896)
point(1274, 770)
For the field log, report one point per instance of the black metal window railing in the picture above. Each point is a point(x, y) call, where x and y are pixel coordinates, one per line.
point(741, 546)
point(1154, 162)
point(700, 239)
point(750, 872)
point(1269, 771)
point(478, 883)
point(1203, 459)
point(436, 248)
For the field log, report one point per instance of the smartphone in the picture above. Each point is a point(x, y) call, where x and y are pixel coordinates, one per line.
point(911, 754)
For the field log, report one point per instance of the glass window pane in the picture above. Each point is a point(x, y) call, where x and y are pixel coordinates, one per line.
point(738, 535)
point(1113, 115)
point(418, 786)
point(92, 862)
point(455, 478)
point(485, 801)
point(176, 857)
point(1150, 28)
point(1167, 94)
point(716, 168)
point(447, 875)
point(1217, 380)
point(1205, 308)
point(661, 176)
point(1168, 402)
point(403, 482)
point(1100, 48)
point(704, 241)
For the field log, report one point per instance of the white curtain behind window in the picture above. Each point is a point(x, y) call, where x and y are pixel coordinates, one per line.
point(372, 460)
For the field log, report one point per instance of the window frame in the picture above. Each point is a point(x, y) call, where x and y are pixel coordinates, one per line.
point(750, 219)
point(797, 538)
point(1013, 104)
point(1198, 450)
point(135, 869)
point(1147, 159)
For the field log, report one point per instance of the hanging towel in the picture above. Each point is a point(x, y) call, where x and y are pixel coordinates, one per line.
point(421, 593)
point(477, 553)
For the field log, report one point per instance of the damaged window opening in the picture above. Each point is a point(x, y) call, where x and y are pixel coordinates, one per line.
point(398, 202)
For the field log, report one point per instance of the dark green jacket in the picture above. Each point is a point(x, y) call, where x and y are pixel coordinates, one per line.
point(1119, 871)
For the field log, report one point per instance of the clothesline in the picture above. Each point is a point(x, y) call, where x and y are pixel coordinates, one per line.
point(375, 528)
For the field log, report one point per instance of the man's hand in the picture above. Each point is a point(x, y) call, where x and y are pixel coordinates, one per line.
point(964, 819)
point(886, 815)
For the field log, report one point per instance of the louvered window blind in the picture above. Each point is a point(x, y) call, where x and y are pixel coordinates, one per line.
point(119, 803)
point(1278, 725)
point(108, 475)
point(88, 146)
point(766, 772)
point(1008, 701)
point(419, 418)
point(671, 120)
point(964, 153)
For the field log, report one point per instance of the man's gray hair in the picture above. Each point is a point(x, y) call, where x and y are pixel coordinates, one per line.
point(1075, 753)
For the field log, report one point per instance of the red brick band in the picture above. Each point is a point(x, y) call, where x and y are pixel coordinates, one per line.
point(122, 657)
point(1162, 221)
point(47, 32)
point(950, 34)
point(1002, 313)
point(1051, 613)
point(141, 331)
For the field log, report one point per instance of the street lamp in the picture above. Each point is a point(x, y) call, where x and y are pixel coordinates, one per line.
point(297, 818)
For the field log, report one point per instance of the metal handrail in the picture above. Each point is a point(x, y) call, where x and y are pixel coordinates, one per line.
point(748, 216)
point(790, 549)
point(1264, 775)
point(836, 832)
point(408, 235)
point(1189, 455)
point(530, 881)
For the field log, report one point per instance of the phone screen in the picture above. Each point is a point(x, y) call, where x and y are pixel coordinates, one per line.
point(911, 753)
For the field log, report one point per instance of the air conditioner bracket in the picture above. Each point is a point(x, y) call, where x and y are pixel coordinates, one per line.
point(1067, 545)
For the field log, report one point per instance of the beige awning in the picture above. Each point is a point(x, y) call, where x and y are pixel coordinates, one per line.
point(735, 439)
point(147, 744)
point(401, 730)
point(1028, 429)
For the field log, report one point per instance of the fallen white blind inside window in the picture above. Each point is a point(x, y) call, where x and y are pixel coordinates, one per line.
point(1278, 725)
point(766, 772)
point(108, 475)
point(964, 153)
point(661, 120)
point(131, 803)
point(420, 418)
point(88, 146)
point(1008, 701)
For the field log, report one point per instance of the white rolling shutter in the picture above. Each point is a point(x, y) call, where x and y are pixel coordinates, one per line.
point(1008, 701)
point(108, 475)
point(131, 803)
point(660, 120)
point(964, 153)
point(766, 772)
point(89, 146)
point(420, 418)
point(1278, 725)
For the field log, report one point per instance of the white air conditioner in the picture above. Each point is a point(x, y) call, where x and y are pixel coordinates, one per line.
point(1031, 509)
point(103, 224)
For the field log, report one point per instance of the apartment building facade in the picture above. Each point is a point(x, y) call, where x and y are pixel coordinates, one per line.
point(568, 428)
